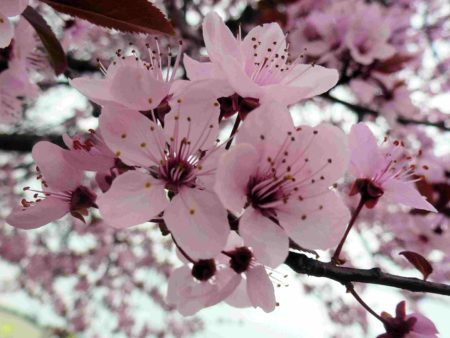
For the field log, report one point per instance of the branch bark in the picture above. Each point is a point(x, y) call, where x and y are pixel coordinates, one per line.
point(361, 111)
point(302, 264)
point(24, 142)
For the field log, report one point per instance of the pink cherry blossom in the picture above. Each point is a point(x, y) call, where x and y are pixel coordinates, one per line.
point(131, 82)
point(255, 289)
point(180, 160)
point(368, 35)
point(91, 154)
point(61, 192)
point(414, 325)
point(277, 178)
point(200, 284)
point(257, 66)
point(9, 8)
point(384, 172)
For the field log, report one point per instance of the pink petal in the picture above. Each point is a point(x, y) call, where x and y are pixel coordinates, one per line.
point(266, 128)
point(219, 40)
point(239, 80)
point(365, 154)
point(268, 240)
point(6, 31)
point(194, 116)
point(176, 281)
point(227, 281)
point(196, 70)
point(315, 222)
point(233, 173)
point(134, 87)
point(97, 90)
point(131, 136)
point(48, 210)
point(312, 78)
point(424, 327)
point(318, 158)
point(198, 221)
point(284, 94)
point(87, 160)
point(239, 298)
point(265, 35)
point(59, 174)
point(133, 198)
point(12, 7)
point(260, 289)
point(405, 193)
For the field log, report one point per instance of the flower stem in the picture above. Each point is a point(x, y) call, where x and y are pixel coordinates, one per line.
point(233, 131)
point(355, 295)
point(335, 259)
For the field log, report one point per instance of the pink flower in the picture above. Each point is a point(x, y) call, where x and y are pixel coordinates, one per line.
point(256, 288)
point(413, 325)
point(257, 66)
point(9, 8)
point(386, 171)
point(277, 178)
point(200, 284)
point(91, 154)
point(131, 82)
point(368, 35)
point(178, 162)
point(62, 191)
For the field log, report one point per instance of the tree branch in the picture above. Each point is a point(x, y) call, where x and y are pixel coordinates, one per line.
point(302, 264)
point(361, 111)
point(25, 142)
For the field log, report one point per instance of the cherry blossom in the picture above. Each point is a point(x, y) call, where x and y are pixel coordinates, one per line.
point(368, 35)
point(178, 162)
point(9, 8)
point(281, 176)
point(257, 67)
point(414, 325)
point(255, 289)
point(132, 82)
point(61, 192)
point(200, 284)
point(383, 172)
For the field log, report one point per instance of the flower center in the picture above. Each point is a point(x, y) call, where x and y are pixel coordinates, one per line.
point(177, 172)
point(204, 269)
point(240, 259)
point(82, 198)
point(263, 193)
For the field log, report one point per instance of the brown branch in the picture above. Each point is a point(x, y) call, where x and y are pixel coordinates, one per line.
point(361, 111)
point(302, 264)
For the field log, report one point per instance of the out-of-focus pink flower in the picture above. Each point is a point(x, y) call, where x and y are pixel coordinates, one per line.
point(131, 82)
point(280, 175)
point(257, 66)
point(256, 289)
point(200, 284)
point(9, 8)
point(386, 171)
point(180, 160)
point(368, 35)
point(61, 192)
point(413, 325)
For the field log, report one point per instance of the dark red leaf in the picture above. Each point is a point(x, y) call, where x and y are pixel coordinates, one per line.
point(135, 16)
point(49, 40)
point(393, 64)
point(419, 262)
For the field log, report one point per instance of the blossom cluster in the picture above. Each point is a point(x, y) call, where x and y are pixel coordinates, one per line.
point(233, 204)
